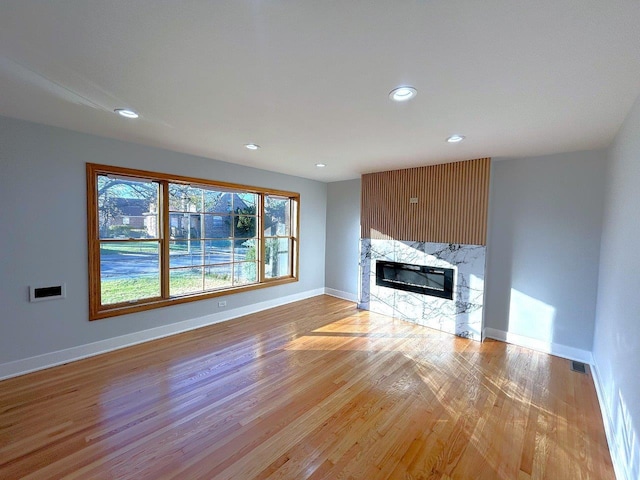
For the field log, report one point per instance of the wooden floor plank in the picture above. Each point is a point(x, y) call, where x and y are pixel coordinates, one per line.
point(311, 390)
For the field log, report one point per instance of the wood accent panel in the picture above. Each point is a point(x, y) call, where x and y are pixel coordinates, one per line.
point(315, 389)
point(453, 201)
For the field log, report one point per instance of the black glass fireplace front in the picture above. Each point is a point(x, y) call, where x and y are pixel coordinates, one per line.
point(434, 281)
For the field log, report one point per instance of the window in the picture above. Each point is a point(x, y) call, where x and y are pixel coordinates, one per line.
point(157, 240)
point(277, 236)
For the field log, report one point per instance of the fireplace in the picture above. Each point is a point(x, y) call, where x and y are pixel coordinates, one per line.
point(451, 294)
point(423, 279)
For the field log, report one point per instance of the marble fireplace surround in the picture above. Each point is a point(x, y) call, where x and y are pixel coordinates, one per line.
point(462, 316)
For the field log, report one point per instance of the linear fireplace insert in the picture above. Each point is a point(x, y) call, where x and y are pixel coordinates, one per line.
point(434, 281)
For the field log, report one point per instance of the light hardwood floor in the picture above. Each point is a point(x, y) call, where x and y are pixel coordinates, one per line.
point(315, 389)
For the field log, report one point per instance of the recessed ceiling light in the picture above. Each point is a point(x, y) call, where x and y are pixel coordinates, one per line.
point(126, 113)
point(402, 94)
point(252, 146)
point(320, 165)
point(455, 138)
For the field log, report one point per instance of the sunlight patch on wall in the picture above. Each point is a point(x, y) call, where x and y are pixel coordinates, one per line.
point(625, 436)
point(531, 317)
point(476, 284)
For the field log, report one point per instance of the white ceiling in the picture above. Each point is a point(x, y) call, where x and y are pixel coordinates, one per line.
point(308, 80)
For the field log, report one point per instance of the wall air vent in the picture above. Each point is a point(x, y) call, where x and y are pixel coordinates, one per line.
point(578, 367)
point(54, 292)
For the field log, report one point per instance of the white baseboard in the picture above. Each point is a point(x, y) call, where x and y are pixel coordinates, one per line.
point(352, 297)
point(618, 457)
point(557, 349)
point(47, 360)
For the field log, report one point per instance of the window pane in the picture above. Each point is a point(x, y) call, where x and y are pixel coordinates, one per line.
point(218, 251)
point(277, 216)
point(185, 253)
point(245, 272)
point(218, 201)
point(218, 276)
point(129, 271)
point(244, 226)
point(245, 203)
point(277, 257)
point(245, 250)
point(184, 281)
point(217, 226)
point(185, 225)
point(185, 198)
point(127, 208)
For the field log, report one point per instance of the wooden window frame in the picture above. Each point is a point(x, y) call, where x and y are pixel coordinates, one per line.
point(98, 311)
point(292, 237)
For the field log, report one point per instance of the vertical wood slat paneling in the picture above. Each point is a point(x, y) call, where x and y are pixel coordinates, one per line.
point(452, 203)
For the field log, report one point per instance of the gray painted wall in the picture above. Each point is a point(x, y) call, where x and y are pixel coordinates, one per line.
point(543, 247)
point(44, 235)
point(616, 346)
point(343, 236)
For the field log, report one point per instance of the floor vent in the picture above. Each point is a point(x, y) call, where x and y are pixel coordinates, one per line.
point(578, 367)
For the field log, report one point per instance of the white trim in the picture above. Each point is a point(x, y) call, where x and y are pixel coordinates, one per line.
point(616, 450)
point(556, 349)
point(352, 297)
point(51, 359)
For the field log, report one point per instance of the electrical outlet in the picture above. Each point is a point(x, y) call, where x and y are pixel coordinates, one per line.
point(222, 304)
